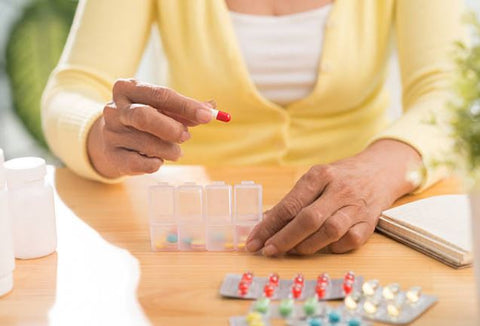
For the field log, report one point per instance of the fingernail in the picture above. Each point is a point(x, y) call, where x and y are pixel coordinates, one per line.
point(270, 250)
point(254, 245)
point(185, 136)
point(204, 115)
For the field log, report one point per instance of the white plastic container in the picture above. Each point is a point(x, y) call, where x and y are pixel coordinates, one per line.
point(7, 260)
point(31, 207)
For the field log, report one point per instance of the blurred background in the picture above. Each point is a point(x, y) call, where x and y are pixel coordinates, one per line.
point(32, 34)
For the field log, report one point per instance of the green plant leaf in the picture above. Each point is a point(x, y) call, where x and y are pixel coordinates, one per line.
point(33, 50)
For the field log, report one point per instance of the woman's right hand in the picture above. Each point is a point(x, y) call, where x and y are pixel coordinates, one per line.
point(142, 127)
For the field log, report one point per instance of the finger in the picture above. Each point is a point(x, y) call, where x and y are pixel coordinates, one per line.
point(307, 189)
point(147, 145)
point(147, 119)
point(354, 238)
point(307, 222)
point(132, 163)
point(162, 98)
point(334, 228)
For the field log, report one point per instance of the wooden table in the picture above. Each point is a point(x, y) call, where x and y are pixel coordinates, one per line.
point(104, 253)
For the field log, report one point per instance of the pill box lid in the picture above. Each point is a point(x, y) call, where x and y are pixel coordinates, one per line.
point(2, 170)
point(24, 170)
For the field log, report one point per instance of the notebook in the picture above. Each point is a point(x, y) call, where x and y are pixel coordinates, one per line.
point(437, 226)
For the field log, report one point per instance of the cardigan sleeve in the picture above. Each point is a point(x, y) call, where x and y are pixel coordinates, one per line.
point(425, 33)
point(106, 42)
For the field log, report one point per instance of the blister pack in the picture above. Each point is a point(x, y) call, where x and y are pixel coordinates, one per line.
point(311, 312)
point(388, 304)
point(248, 286)
point(363, 301)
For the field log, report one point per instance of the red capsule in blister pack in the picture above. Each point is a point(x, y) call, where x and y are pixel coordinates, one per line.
point(347, 286)
point(321, 290)
point(297, 291)
point(323, 278)
point(243, 288)
point(268, 290)
point(247, 277)
point(299, 279)
point(274, 279)
point(349, 276)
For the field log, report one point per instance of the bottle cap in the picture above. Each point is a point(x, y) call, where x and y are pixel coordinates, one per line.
point(24, 170)
point(2, 170)
point(6, 284)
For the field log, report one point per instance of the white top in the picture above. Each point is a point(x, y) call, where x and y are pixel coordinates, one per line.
point(24, 170)
point(282, 53)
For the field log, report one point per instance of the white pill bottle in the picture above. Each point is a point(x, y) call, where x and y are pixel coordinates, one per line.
point(7, 260)
point(31, 207)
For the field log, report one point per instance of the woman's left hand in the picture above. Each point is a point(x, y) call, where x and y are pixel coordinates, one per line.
point(337, 205)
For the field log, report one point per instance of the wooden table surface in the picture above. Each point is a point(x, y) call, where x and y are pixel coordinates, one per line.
point(104, 272)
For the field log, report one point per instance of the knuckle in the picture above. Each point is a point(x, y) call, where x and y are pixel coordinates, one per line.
point(333, 229)
point(328, 172)
point(314, 173)
point(347, 190)
point(134, 164)
point(305, 250)
point(291, 207)
point(163, 94)
point(356, 238)
point(139, 116)
point(176, 152)
point(109, 112)
point(120, 84)
point(153, 165)
point(311, 219)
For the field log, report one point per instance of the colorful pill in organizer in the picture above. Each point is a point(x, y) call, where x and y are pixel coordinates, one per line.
point(192, 217)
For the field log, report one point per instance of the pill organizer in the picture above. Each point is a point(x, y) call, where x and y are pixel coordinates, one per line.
point(192, 217)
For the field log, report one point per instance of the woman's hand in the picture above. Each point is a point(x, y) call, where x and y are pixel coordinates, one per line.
point(142, 127)
point(337, 205)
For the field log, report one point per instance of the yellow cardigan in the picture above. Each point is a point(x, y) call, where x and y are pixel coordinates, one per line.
point(345, 111)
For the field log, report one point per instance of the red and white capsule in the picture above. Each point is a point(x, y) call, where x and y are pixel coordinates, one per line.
point(221, 115)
